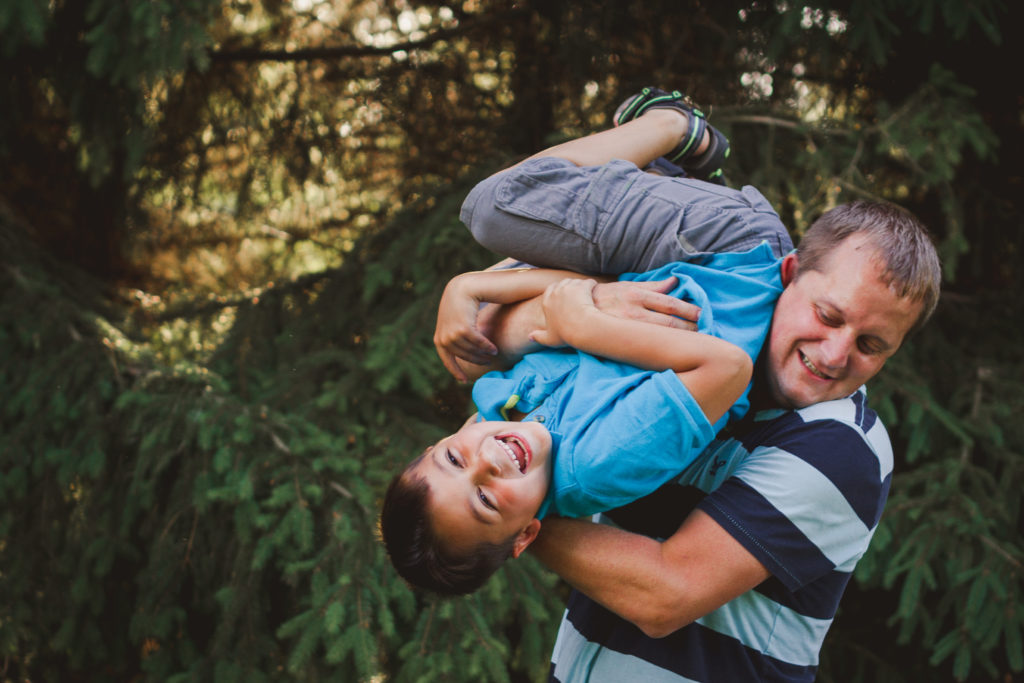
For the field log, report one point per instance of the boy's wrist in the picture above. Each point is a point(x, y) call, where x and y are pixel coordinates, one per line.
point(582, 329)
point(468, 285)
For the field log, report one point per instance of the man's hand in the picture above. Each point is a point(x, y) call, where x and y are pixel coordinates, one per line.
point(456, 335)
point(565, 305)
point(646, 301)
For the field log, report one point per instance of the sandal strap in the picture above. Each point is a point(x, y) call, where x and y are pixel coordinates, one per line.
point(695, 133)
point(649, 98)
point(709, 164)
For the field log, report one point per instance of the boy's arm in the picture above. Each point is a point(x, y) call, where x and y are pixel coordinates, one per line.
point(508, 326)
point(458, 333)
point(714, 371)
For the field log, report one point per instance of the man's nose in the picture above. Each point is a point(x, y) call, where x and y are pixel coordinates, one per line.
point(835, 349)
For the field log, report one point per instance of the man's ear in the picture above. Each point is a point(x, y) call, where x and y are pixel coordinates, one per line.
point(789, 267)
point(525, 537)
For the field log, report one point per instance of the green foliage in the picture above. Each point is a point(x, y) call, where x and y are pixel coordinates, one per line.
point(950, 543)
point(234, 514)
point(100, 58)
point(870, 31)
point(132, 45)
point(22, 21)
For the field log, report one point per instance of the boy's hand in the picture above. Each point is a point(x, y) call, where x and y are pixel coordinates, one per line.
point(647, 302)
point(456, 335)
point(565, 305)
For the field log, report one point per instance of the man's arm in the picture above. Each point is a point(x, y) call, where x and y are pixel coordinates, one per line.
point(808, 519)
point(660, 586)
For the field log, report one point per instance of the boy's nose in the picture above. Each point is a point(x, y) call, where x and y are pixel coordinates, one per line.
point(486, 464)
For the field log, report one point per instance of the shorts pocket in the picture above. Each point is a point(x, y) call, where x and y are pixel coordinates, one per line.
point(548, 190)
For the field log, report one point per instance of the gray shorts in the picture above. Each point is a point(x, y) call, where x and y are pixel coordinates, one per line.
point(614, 218)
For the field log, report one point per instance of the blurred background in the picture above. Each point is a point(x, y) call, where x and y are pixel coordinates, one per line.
point(224, 230)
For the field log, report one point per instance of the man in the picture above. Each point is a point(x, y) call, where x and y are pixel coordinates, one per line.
point(734, 572)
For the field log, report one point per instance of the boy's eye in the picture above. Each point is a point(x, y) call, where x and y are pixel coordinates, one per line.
point(452, 459)
point(485, 500)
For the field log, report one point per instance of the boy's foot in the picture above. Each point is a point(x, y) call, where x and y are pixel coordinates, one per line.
point(664, 167)
point(704, 166)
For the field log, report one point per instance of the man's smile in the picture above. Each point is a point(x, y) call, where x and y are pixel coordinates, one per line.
point(810, 366)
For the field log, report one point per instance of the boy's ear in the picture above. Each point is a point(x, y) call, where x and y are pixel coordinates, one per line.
point(788, 266)
point(525, 537)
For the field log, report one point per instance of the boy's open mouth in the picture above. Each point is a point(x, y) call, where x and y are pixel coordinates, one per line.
point(516, 449)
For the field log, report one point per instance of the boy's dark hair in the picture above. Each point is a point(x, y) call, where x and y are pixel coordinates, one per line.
point(417, 553)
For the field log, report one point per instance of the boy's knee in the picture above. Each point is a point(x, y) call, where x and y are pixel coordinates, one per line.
point(480, 213)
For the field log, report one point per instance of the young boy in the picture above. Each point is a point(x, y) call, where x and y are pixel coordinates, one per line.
point(574, 431)
point(585, 429)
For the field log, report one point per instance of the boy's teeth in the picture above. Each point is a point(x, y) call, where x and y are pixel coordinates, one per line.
point(511, 452)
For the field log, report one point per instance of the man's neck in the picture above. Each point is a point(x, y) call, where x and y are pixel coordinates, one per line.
point(760, 395)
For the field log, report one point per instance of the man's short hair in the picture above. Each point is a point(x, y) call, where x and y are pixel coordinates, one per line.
point(911, 264)
point(417, 552)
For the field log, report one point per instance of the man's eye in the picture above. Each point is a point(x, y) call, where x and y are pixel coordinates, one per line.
point(826, 319)
point(869, 348)
point(452, 459)
point(485, 500)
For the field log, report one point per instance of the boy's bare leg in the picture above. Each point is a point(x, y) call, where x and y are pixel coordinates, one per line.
point(640, 141)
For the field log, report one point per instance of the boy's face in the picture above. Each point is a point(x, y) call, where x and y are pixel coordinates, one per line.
point(487, 481)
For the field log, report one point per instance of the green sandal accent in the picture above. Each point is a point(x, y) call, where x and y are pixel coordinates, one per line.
point(707, 166)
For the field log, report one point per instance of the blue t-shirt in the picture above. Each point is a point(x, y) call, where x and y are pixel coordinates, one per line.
point(619, 432)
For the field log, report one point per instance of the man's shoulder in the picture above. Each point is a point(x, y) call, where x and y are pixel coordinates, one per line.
point(853, 410)
point(846, 418)
point(843, 440)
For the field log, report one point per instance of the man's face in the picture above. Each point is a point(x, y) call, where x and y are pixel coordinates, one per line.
point(487, 481)
point(833, 330)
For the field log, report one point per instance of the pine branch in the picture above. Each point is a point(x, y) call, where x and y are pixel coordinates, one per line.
point(1005, 554)
point(762, 120)
point(345, 51)
point(196, 309)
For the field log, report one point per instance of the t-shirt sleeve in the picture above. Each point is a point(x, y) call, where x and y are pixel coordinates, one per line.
point(629, 447)
point(807, 503)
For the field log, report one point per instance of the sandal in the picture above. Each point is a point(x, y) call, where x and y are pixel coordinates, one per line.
point(707, 166)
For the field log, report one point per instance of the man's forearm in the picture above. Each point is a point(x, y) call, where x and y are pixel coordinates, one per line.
point(601, 562)
point(509, 326)
point(658, 586)
point(509, 285)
